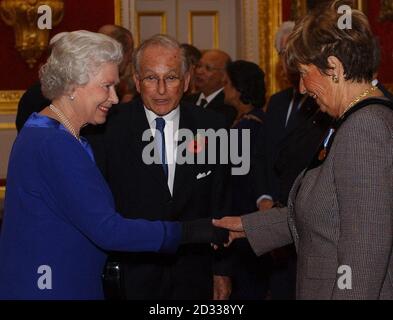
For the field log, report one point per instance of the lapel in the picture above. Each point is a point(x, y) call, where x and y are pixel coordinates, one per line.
point(217, 102)
point(138, 125)
point(192, 98)
point(185, 173)
point(307, 109)
point(293, 117)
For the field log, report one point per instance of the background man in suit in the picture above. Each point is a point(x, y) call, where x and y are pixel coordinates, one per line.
point(287, 112)
point(210, 80)
point(293, 130)
point(126, 88)
point(193, 55)
point(166, 190)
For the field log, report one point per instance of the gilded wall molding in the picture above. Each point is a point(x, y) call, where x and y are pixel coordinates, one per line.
point(299, 7)
point(362, 5)
point(9, 100)
point(249, 39)
point(7, 126)
point(386, 13)
point(2, 192)
point(118, 12)
point(31, 39)
point(270, 18)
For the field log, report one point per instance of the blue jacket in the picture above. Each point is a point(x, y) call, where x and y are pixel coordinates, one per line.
point(59, 216)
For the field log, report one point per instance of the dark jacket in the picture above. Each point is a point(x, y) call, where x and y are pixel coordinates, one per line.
point(141, 191)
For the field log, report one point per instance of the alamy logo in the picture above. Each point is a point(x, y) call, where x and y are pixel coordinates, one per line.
point(45, 20)
point(344, 281)
point(44, 281)
point(207, 146)
point(345, 21)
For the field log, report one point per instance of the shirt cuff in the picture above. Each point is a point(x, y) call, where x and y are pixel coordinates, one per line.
point(263, 197)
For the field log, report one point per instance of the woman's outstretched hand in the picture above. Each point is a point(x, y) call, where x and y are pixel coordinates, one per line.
point(234, 225)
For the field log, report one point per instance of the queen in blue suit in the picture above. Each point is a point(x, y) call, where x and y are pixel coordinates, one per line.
point(59, 213)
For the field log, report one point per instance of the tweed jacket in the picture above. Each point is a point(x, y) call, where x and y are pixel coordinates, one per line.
point(340, 215)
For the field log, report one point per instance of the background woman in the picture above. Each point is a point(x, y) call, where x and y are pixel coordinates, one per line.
point(245, 91)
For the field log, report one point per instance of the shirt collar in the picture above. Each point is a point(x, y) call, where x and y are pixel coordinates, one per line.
point(209, 97)
point(170, 117)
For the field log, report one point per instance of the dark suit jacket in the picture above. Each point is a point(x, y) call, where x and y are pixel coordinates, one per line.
point(286, 150)
point(141, 191)
point(217, 105)
point(31, 101)
point(243, 188)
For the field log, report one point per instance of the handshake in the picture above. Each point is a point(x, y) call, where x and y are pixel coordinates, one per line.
point(218, 232)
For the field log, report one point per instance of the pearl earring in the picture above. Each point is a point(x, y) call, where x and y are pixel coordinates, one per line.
point(72, 97)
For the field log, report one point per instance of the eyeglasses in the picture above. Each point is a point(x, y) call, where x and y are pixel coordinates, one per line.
point(170, 81)
point(208, 68)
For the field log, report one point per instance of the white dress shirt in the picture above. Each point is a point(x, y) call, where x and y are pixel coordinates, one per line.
point(208, 98)
point(170, 132)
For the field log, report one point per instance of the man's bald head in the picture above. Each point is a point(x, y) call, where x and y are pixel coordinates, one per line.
point(210, 72)
point(219, 57)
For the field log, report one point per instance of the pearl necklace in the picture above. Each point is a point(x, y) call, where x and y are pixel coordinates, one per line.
point(358, 98)
point(64, 120)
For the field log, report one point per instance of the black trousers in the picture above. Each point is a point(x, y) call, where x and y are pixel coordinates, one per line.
point(188, 275)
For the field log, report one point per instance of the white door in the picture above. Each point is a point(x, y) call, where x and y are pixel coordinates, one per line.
point(206, 24)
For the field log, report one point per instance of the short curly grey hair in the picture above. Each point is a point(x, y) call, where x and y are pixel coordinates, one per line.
point(75, 57)
point(284, 30)
point(163, 41)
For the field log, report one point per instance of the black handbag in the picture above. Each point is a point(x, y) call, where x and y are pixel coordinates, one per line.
point(111, 281)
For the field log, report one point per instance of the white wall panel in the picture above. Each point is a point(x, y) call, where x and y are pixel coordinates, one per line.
point(203, 29)
point(206, 24)
point(154, 16)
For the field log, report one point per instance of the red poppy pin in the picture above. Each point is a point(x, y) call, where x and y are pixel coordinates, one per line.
point(197, 144)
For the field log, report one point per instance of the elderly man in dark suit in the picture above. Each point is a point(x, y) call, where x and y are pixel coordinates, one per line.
point(167, 190)
point(210, 80)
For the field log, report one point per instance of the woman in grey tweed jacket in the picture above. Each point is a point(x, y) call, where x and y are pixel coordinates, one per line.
point(340, 209)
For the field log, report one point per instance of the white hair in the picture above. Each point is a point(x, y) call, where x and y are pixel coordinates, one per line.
point(285, 29)
point(75, 57)
point(56, 37)
point(162, 41)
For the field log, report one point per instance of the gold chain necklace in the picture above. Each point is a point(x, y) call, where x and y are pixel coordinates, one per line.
point(64, 120)
point(358, 98)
